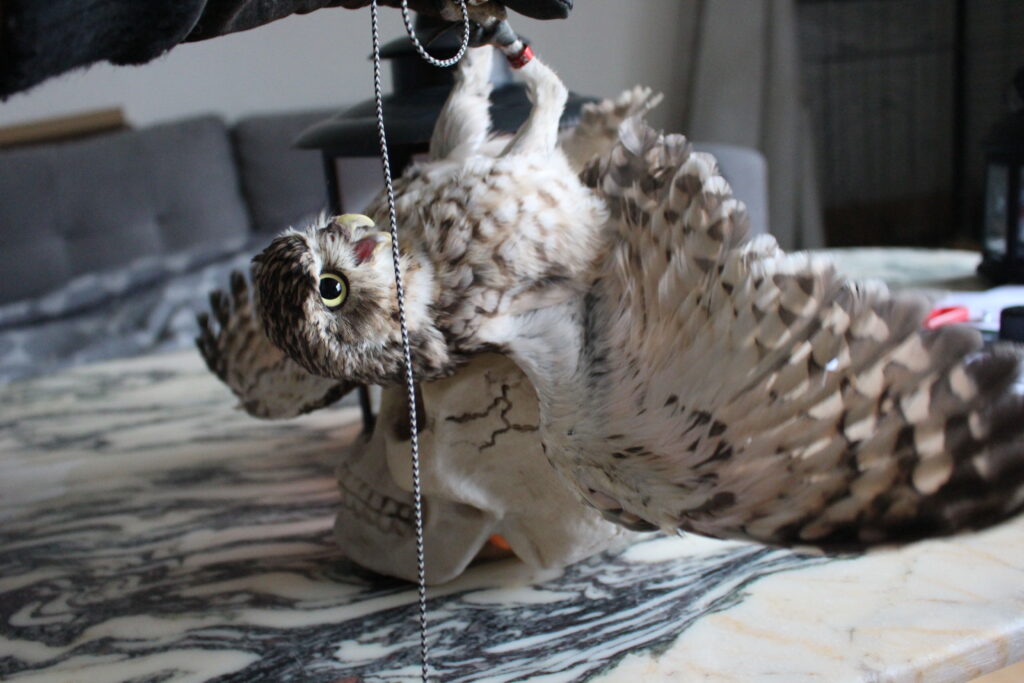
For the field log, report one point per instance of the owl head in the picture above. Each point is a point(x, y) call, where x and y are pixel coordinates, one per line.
point(327, 298)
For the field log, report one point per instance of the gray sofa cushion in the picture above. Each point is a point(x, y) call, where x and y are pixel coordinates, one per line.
point(283, 186)
point(148, 305)
point(90, 205)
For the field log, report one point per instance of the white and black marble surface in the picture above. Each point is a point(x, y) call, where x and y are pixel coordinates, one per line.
point(149, 532)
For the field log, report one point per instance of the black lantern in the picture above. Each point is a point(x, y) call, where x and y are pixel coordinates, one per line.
point(349, 143)
point(1003, 229)
point(419, 93)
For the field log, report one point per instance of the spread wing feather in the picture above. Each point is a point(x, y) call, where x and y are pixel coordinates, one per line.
point(598, 129)
point(267, 383)
point(784, 403)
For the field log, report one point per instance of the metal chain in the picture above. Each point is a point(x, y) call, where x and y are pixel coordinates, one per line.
point(440, 63)
point(410, 380)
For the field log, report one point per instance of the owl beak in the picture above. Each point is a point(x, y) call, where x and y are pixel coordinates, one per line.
point(366, 248)
point(350, 224)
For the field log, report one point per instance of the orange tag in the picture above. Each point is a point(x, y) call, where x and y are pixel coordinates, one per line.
point(499, 542)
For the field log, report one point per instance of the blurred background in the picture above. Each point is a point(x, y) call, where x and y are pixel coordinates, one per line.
point(871, 113)
point(839, 123)
point(902, 94)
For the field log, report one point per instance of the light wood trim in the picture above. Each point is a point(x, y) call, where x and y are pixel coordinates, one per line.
point(63, 127)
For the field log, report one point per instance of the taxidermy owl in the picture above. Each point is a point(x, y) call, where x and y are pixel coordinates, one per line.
point(689, 378)
point(269, 384)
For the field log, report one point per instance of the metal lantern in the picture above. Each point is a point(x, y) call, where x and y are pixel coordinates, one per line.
point(349, 143)
point(1003, 228)
point(348, 140)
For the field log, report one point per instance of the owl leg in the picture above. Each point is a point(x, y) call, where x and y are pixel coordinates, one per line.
point(539, 134)
point(465, 119)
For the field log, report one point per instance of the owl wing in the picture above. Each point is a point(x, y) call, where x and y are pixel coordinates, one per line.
point(784, 403)
point(598, 129)
point(268, 384)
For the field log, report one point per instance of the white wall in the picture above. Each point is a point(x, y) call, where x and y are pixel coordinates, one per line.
point(320, 60)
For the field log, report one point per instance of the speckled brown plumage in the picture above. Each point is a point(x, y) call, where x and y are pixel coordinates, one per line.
point(268, 384)
point(486, 231)
point(361, 341)
point(689, 378)
point(766, 396)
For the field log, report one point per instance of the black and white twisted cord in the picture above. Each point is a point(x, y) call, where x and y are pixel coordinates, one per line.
point(429, 58)
point(410, 379)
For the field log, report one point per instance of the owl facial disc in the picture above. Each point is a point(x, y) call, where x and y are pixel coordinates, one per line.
point(354, 228)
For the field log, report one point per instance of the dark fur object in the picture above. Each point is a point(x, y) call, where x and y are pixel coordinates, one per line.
point(40, 39)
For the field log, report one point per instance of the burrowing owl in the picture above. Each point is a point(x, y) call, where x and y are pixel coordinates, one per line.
point(689, 378)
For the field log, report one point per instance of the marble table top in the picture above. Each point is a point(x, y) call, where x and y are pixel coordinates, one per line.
point(149, 532)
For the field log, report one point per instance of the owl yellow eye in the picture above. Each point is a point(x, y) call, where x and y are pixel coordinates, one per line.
point(333, 289)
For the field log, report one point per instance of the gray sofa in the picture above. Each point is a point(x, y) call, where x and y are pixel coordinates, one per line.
point(109, 244)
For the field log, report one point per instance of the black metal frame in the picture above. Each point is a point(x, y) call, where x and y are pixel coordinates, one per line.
point(1010, 268)
point(961, 191)
point(1015, 258)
